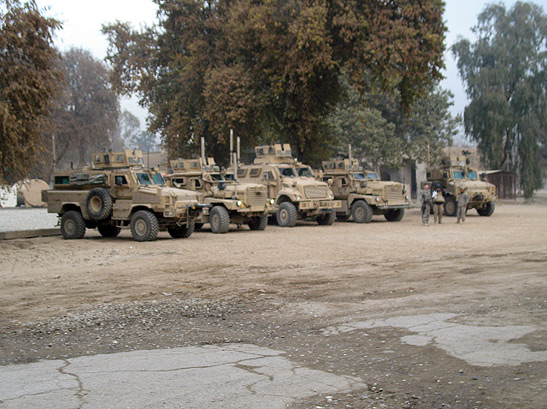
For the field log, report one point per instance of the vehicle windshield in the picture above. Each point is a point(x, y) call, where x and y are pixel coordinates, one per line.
point(144, 179)
point(157, 179)
point(359, 176)
point(458, 174)
point(372, 175)
point(216, 177)
point(229, 176)
point(305, 172)
point(287, 172)
point(472, 175)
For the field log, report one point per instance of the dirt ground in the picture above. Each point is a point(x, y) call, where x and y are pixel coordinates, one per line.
point(338, 298)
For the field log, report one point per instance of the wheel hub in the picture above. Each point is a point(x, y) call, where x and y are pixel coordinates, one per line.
point(140, 227)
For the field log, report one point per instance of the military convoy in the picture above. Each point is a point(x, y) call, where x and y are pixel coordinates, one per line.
point(295, 192)
point(363, 194)
point(453, 175)
point(118, 192)
point(230, 200)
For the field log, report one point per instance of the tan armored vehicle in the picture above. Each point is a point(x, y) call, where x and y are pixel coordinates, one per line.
point(452, 175)
point(296, 193)
point(231, 201)
point(363, 194)
point(117, 192)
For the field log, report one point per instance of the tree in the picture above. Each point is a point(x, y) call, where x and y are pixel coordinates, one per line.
point(505, 73)
point(271, 69)
point(382, 133)
point(28, 82)
point(134, 137)
point(85, 116)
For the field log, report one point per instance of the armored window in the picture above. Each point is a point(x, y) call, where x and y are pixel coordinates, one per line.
point(197, 183)
point(260, 152)
point(175, 165)
point(288, 172)
point(195, 165)
point(241, 173)
point(341, 165)
point(445, 175)
point(343, 182)
point(106, 159)
point(62, 180)
point(98, 159)
point(120, 180)
point(144, 179)
point(140, 161)
point(131, 161)
point(119, 158)
point(268, 176)
point(254, 172)
point(271, 150)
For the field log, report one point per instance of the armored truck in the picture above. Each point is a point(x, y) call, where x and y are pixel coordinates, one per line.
point(292, 186)
point(230, 200)
point(363, 194)
point(453, 175)
point(118, 192)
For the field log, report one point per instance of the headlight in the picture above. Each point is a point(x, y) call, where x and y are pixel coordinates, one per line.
point(377, 199)
point(407, 198)
point(239, 203)
point(298, 197)
point(272, 201)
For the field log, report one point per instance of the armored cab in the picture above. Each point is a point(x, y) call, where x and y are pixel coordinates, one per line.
point(295, 193)
point(363, 194)
point(118, 192)
point(231, 200)
point(454, 174)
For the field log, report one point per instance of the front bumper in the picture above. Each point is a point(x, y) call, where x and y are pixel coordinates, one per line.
point(319, 205)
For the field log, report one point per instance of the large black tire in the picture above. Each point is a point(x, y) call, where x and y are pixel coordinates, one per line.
point(258, 222)
point(394, 215)
point(361, 212)
point(108, 230)
point(327, 219)
point(182, 232)
point(488, 210)
point(144, 226)
point(450, 206)
point(72, 225)
point(286, 215)
point(219, 219)
point(99, 204)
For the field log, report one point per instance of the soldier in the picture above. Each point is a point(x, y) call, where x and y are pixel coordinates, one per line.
point(463, 201)
point(426, 205)
point(438, 204)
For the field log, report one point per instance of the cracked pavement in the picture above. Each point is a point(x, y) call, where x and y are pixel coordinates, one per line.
point(227, 376)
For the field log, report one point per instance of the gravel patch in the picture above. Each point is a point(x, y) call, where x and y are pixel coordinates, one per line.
point(26, 219)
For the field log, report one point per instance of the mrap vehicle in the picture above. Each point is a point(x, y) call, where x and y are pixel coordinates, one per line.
point(118, 192)
point(296, 193)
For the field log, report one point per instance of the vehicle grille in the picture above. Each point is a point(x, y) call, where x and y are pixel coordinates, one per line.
point(315, 192)
point(257, 198)
point(394, 195)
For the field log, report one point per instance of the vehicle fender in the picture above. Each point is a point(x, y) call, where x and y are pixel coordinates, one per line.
point(286, 195)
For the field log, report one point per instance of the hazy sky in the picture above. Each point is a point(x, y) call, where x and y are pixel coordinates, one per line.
point(82, 21)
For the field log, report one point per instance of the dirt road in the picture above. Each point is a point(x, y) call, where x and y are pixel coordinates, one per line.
point(441, 316)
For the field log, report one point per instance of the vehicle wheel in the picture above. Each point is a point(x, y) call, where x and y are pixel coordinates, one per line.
point(99, 204)
point(361, 212)
point(450, 206)
point(327, 219)
point(286, 215)
point(72, 225)
point(144, 226)
point(259, 222)
point(394, 215)
point(108, 230)
point(182, 232)
point(219, 219)
point(488, 210)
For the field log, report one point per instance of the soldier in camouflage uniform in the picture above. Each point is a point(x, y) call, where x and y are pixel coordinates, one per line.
point(426, 205)
point(438, 205)
point(463, 201)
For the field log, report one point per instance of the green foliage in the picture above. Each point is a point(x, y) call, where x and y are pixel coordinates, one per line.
point(270, 70)
point(85, 115)
point(505, 72)
point(28, 81)
point(382, 133)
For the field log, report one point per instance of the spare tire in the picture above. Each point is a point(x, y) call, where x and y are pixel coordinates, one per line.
point(99, 204)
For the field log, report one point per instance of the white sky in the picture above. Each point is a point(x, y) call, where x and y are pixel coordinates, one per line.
point(82, 22)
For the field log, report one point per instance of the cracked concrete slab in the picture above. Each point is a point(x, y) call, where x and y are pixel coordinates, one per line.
point(227, 376)
point(477, 345)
